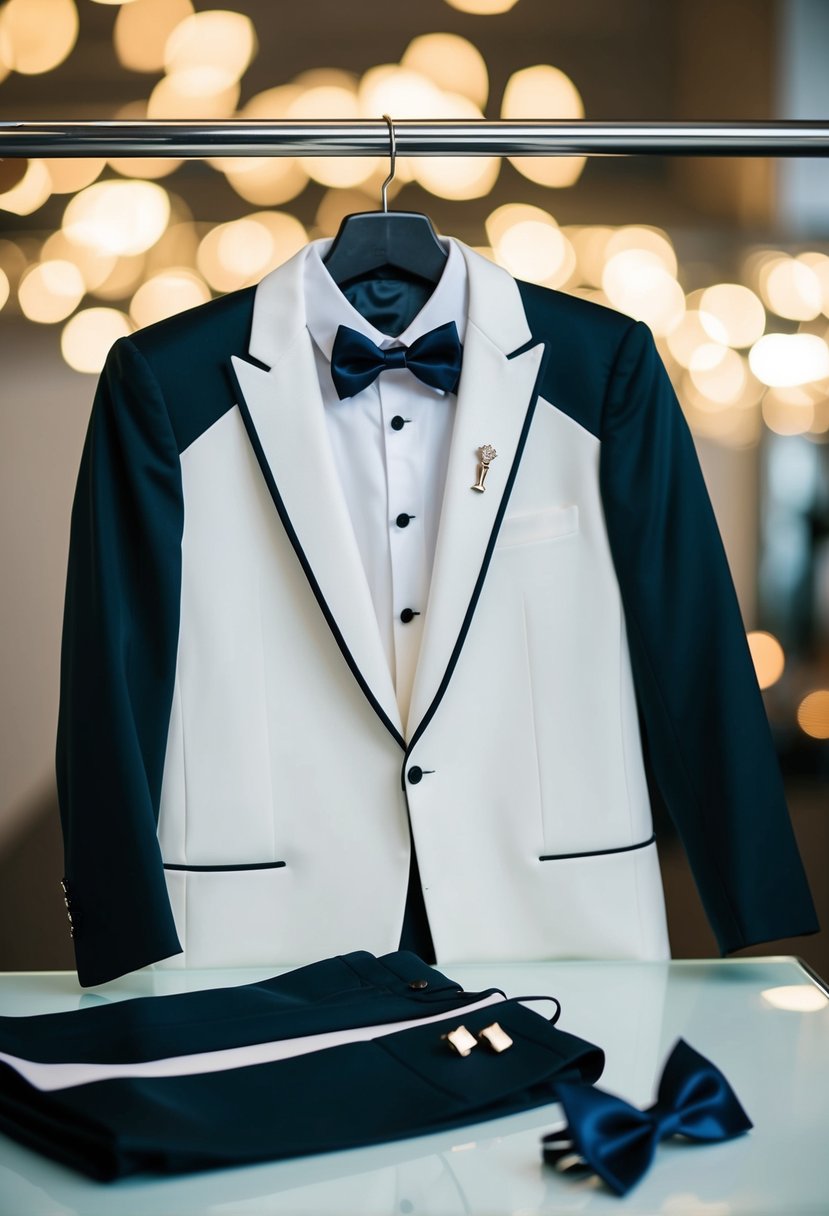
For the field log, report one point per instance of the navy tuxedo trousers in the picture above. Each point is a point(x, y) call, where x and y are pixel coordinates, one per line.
point(404, 1083)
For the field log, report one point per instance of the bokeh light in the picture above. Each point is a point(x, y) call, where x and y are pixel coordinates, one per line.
point(785, 414)
point(322, 102)
point(544, 91)
point(528, 242)
point(209, 51)
point(142, 29)
point(813, 714)
point(590, 245)
point(94, 265)
point(503, 218)
point(69, 174)
point(87, 337)
point(401, 92)
point(731, 313)
point(5, 288)
point(122, 280)
point(50, 291)
point(640, 236)
point(458, 177)
point(177, 247)
point(784, 360)
point(791, 289)
point(287, 233)
point(31, 192)
point(37, 35)
point(637, 283)
point(482, 8)
point(120, 217)
point(689, 334)
point(818, 263)
point(719, 373)
point(319, 78)
point(533, 251)
point(172, 98)
point(452, 63)
point(239, 253)
point(756, 262)
point(232, 255)
point(151, 167)
point(767, 656)
point(265, 180)
point(169, 292)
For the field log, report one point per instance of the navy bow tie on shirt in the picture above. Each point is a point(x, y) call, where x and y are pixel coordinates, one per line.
point(617, 1141)
point(435, 358)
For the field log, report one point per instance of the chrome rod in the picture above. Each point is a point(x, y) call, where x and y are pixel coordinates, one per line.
point(237, 137)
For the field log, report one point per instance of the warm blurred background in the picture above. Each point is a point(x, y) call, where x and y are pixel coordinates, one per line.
point(727, 260)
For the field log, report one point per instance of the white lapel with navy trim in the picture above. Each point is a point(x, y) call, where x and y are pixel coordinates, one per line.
point(495, 395)
point(284, 415)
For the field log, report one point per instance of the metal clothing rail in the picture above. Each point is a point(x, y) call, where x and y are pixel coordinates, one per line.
point(236, 137)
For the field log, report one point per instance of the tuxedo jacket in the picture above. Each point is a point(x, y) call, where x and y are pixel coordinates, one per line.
point(344, 1052)
point(236, 786)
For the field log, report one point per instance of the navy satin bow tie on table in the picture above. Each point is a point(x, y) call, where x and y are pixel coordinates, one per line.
point(617, 1141)
point(435, 358)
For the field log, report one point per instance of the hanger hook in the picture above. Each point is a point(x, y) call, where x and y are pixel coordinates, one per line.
point(392, 159)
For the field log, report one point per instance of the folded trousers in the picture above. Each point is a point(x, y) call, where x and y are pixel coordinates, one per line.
point(155, 1084)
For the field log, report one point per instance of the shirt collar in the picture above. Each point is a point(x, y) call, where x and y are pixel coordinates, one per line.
point(326, 308)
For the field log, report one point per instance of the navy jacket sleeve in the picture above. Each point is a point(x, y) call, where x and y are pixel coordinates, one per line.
point(710, 746)
point(117, 673)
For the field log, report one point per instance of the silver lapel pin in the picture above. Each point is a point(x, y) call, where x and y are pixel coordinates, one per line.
point(486, 455)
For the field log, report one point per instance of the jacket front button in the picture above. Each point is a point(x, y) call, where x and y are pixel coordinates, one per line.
point(402, 520)
point(418, 985)
point(415, 774)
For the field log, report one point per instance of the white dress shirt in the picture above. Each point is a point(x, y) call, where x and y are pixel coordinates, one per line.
point(392, 471)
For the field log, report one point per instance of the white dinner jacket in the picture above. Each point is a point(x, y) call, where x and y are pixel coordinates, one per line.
point(235, 782)
point(287, 744)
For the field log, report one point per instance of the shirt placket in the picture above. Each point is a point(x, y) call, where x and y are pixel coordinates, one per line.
point(406, 523)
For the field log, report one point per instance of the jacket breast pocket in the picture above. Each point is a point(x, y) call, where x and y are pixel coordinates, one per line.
point(534, 527)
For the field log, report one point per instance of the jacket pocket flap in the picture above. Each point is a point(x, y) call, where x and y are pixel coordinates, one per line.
point(535, 526)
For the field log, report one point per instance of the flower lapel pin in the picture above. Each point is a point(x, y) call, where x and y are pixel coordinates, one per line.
point(486, 455)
